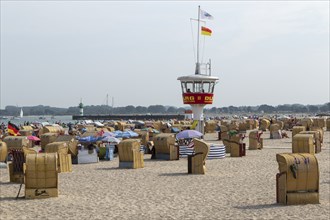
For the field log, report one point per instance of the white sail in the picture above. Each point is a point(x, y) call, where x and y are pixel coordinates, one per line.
point(21, 113)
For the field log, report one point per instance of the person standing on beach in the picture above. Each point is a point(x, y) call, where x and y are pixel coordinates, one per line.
point(3, 127)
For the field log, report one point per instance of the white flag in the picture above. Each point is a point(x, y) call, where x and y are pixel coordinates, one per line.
point(205, 15)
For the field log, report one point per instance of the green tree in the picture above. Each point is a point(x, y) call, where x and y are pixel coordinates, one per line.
point(130, 109)
point(298, 108)
point(171, 109)
point(313, 108)
point(141, 109)
point(156, 109)
point(266, 108)
point(325, 107)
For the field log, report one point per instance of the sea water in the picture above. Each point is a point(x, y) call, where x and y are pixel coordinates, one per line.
point(39, 118)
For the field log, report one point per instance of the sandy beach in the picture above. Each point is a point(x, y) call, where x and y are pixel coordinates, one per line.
point(232, 188)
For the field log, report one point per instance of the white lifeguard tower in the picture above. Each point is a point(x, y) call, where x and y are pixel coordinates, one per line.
point(198, 89)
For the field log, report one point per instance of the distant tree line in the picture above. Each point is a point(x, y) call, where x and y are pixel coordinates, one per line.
point(287, 108)
point(160, 109)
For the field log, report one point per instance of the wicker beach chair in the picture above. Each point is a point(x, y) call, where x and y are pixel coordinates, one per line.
point(130, 155)
point(16, 142)
point(47, 138)
point(298, 179)
point(317, 139)
point(71, 142)
point(210, 126)
point(223, 132)
point(264, 124)
point(255, 140)
point(275, 131)
point(319, 122)
point(41, 176)
point(196, 162)
point(165, 147)
point(307, 123)
point(237, 147)
point(303, 143)
point(16, 173)
point(64, 159)
point(297, 129)
point(3, 151)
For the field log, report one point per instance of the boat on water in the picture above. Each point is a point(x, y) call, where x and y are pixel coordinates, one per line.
point(4, 118)
point(18, 117)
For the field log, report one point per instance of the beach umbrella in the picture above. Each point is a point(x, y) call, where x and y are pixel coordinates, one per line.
point(98, 124)
point(44, 123)
point(118, 133)
point(283, 117)
point(155, 131)
point(129, 134)
point(33, 138)
point(138, 122)
point(108, 134)
point(132, 133)
point(111, 139)
point(185, 134)
point(91, 139)
point(175, 130)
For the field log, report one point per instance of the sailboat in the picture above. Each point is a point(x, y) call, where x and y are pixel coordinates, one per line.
point(20, 116)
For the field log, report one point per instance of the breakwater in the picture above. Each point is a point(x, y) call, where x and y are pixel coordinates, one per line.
point(129, 117)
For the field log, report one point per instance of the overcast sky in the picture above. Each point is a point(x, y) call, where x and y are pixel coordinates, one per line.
point(54, 52)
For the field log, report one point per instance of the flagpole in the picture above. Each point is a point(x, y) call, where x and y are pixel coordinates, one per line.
point(197, 71)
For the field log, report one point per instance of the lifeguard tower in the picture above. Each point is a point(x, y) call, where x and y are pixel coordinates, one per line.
point(198, 89)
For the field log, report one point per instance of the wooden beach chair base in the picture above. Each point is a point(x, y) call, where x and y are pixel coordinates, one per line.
point(41, 193)
point(237, 150)
point(298, 180)
point(138, 161)
point(293, 198)
point(196, 164)
point(173, 155)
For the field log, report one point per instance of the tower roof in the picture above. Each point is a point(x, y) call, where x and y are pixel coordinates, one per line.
point(198, 77)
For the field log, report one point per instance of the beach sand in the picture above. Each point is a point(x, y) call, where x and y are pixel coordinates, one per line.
point(232, 188)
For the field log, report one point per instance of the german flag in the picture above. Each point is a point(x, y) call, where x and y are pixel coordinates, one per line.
point(13, 129)
point(206, 31)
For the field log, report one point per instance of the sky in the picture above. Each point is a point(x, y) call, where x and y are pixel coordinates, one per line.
point(264, 52)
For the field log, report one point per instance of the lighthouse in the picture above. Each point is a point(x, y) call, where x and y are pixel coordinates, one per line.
point(81, 108)
point(198, 89)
